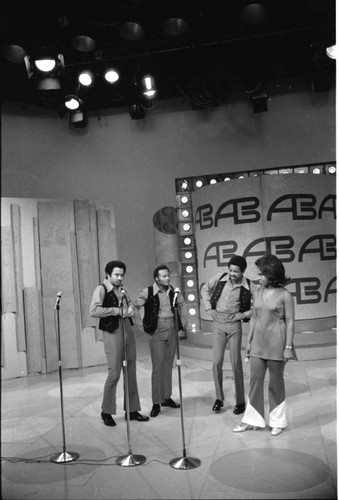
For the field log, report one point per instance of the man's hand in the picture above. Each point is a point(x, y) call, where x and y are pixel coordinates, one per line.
point(127, 313)
point(237, 316)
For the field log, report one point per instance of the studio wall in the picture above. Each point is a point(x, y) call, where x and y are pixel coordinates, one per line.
point(132, 165)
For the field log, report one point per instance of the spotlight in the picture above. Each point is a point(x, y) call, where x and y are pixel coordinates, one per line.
point(86, 78)
point(259, 101)
point(331, 52)
point(111, 75)
point(148, 88)
point(131, 31)
point(78, 118)
point(77, 111)
point(72, 102)
point(83, 43)
point(15, 53)
point(137, 112)
point(44, 69)
point(175, 26)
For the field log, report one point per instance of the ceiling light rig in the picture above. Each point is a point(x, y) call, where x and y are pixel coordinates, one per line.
point(45, 69)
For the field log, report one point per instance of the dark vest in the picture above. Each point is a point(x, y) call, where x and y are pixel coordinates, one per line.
point(151, 307)
point(245, 296)
point(109, 323)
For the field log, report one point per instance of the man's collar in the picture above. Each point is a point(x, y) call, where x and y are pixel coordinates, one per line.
point(242, 283)
point(108, 285)
point(156, 289)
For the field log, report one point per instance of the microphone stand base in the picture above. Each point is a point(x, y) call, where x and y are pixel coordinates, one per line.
point(130, 460)
point(185, 463)
point(64, 457)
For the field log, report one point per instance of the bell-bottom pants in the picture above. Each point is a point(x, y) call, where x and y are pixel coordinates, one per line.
point(255, 412)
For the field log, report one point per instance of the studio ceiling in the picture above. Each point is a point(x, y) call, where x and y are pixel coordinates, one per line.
point(228, 48)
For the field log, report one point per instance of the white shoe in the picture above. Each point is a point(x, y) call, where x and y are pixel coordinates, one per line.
point(244, 427)
point(276, 431)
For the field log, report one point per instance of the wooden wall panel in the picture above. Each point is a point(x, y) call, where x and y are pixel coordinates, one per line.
point(85, 262)
point(38, 284)
point(98, 274)
point(18, 268)
point(69, 346)
point(76, 288)
point(57, 275)
point(14, 361)
point(33, 322)
point(8, 293)
point(106, 239)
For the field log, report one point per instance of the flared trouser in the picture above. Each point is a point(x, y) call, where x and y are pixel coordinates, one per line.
point(114, 350)
point(255, 411)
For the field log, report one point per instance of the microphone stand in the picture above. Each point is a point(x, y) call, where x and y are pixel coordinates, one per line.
point(183, 462)
point(129, 460)
point(64, 456)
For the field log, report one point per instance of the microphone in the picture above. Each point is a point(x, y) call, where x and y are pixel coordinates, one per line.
point(123, 294)
point(175, 298)
point(57, 302)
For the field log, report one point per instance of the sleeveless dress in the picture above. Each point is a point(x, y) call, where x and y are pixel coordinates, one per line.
point(269, 337)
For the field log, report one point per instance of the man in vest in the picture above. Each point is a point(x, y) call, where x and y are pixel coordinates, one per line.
point(227, 298)
point(111, 303)
point(159, 302)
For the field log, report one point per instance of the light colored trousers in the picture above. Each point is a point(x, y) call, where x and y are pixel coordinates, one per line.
point(162, 349)
point(230, 333)
point(255, 412)
point(114, 351)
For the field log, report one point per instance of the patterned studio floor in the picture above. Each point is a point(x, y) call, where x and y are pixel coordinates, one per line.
point(299, 463)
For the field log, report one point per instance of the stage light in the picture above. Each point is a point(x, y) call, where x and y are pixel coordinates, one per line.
point(331, 52)
point(190, 283)
point(254, 13)
point(330, 169)
point(137, 112)
point(45, 69)
point(301, 170)
point(148, 87)
point(319, 169)
point(259, 101)
point(199, 184)
point(226, 179)
point(184, 199)
point(188, 255)
point(111, 75)
point(286, 171)
point(192, 311)
point(131, 31)
point(187, 241)
point(182, 185)
point(191, 297)
point(83, 43)
point(213, 181)
point(185, 213)
point(189, 269)
point(15, 53)
point(175, 26)
point(78, 118)
point(86, 78)
point(72, 102)
point(186, 227)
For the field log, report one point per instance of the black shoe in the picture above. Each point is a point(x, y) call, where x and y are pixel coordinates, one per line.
point(217, 405)
point(238, 409)
point(171, 403)
point(135, 415)
point(107, 419)
point(155, 410)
